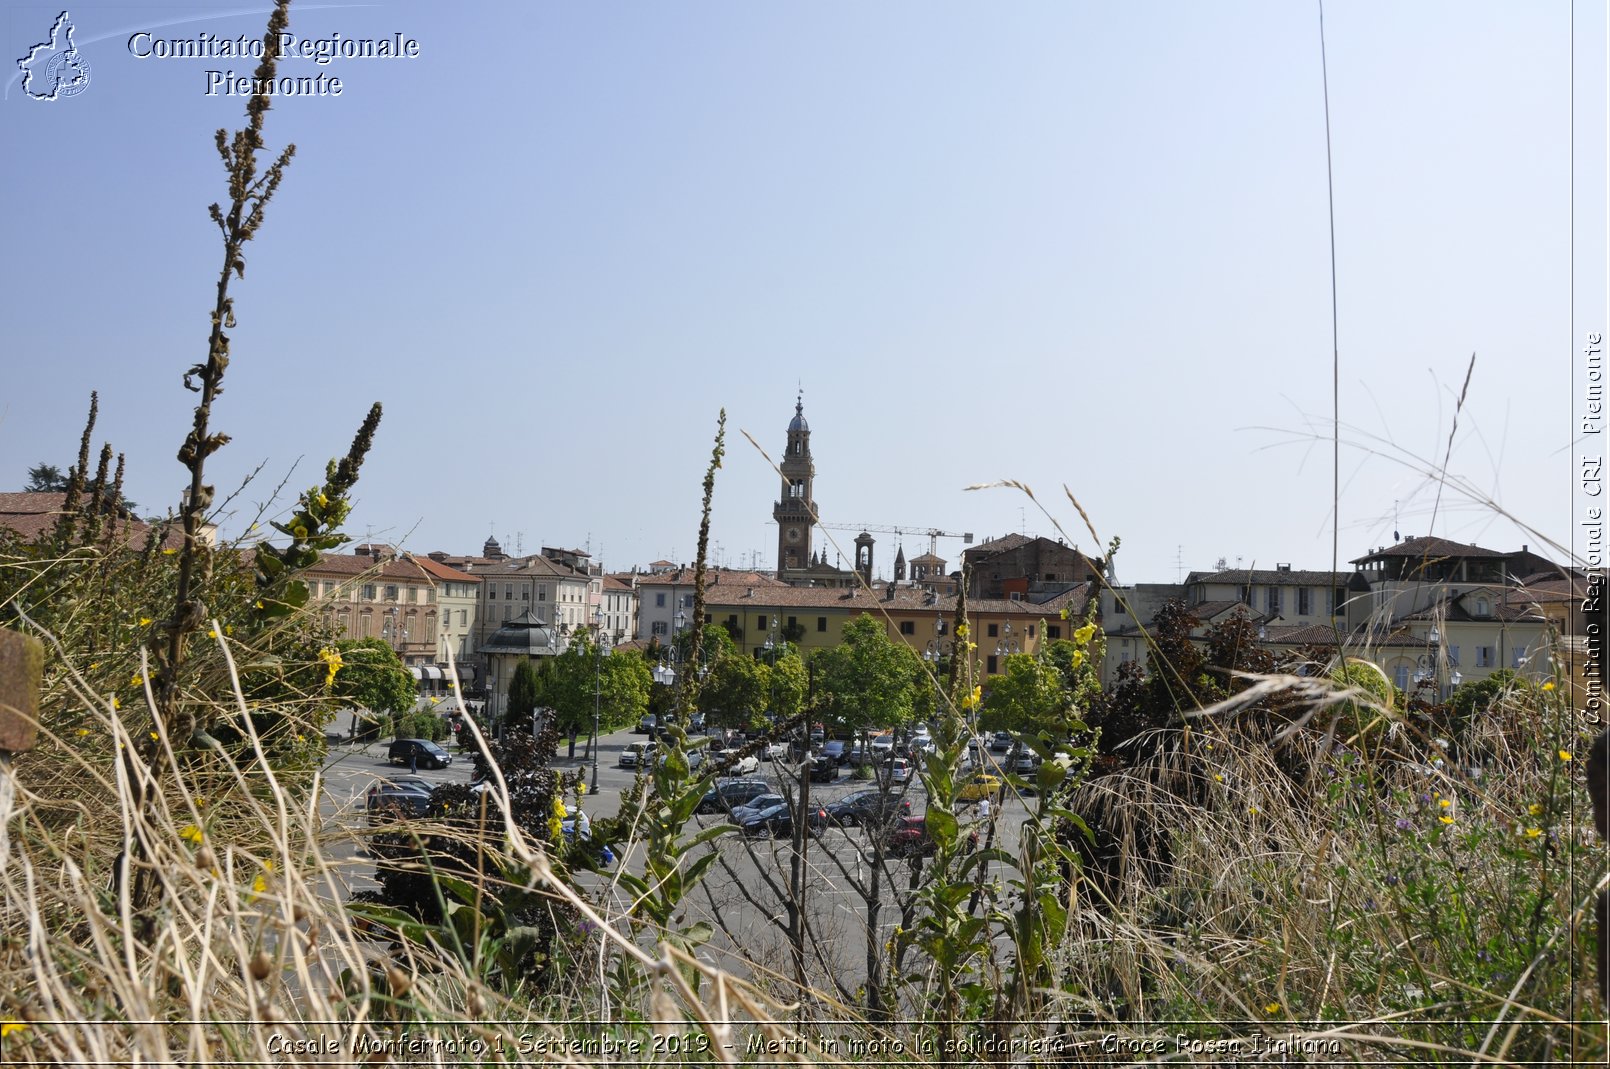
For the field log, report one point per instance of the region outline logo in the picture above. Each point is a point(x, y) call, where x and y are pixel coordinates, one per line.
point(64, 72)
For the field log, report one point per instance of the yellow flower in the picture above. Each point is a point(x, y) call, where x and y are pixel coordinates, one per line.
point(555, 828)
point(155, 737)
point(559, 810)
point(116, 704)
point(1217, 778)
point(1078, 658)
point(1252, 809)
point(1549, 685)
point(260, 885)
point(435, 701)
point(85, 731)
point(322, 500)
point(1565, 755)
point(1445, 803)
point(145, 621)
point(1535, 809)
point(212, 633)
point(1272, 1008)
point(190, 833)
point(300, 532)
point(961, 630)
point(9, 1026)
point(136, 680)
point(301, 738)
point(170, 551)
point(971, 701)
point(1084, 634)
point(229, 629)
point(332, 660)
point(581, 790)
point(1446, 819)
point(1532, 833)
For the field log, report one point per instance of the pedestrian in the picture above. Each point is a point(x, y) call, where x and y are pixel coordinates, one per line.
point(413, 758)
point(983, 810)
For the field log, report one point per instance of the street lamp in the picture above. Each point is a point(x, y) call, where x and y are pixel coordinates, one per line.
point(599, 642)
point(1007, 644)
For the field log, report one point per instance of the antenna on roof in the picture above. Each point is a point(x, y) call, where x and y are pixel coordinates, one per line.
point(1395, 536)
point(1179, 563)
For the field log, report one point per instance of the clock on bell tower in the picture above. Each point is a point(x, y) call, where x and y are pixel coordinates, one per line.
point(795, 512)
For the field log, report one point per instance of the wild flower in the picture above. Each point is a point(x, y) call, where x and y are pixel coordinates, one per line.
point(1565, 755)
point(10, 1027)
point(332, 661)
point(1548, 685)
point(1404, 824)
point(1532, 833)
point(1445, 802)
point(1272, 1008)
point(1446, 819)
point(1084, 634)
point(145, 621)
point(190, 833)
point(85, 731)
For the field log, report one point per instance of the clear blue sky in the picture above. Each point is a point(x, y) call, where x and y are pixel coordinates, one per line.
point(1060, 242)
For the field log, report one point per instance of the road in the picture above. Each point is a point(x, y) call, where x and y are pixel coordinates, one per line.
point(741, 896)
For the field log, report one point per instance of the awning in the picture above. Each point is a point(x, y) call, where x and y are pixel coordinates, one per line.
point(432, 672)
point(414, 671)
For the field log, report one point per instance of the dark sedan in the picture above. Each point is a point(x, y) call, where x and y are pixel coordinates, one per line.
point(778, 822)
point(725, 796)
point(394, 799)
point(866, 807)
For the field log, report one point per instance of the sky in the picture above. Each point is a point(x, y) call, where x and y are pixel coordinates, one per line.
point(1075, 245)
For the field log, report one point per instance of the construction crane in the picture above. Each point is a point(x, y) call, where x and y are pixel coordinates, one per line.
point(933, 534)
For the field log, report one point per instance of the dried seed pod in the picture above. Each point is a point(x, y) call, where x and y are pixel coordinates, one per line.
point(400, 981)
point(299, 913)
point(205, 860)
point(476, 1005)
point(260, 965)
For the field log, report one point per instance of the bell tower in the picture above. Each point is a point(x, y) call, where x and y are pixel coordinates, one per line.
point(795, 512)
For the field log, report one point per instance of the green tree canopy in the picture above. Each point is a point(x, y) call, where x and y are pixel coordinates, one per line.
point(372, 676)
point(579, 679)
point(525, 691)
point(1030, 697)
point(787, 684)
point(866, 680)
point(734, 693)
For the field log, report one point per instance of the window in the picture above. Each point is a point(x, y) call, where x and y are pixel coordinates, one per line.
point(793, 622)
point(491, 592)
point(1338, 601)
point(1484, 656)
point(542, 593)
point(990, 665)
point(463, 618)
point(1305, 601)
point(658, 627)
point(391, 591)
point(508, 591)
point(907, 627)
point(365, 624)
point(709, 618)
point(1482, 608)
point(525, 593)
point(659, 601)
point(1053, 630)
point(1453, 656)
point(1517, 656)
point(821, 623)
point(994, 631)
point(506, 610)
point(368, 593)
point(1400, 677)
point(687, 601)
point(1031, 630)
point(1274, 601)
point(430, 630)
point(763, 621)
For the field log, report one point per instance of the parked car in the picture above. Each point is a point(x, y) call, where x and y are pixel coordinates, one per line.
point(824, 769)
point(696, 722)
point(723, 796)
point(775, 751)
point(422, 752)
point(647, 725)
point(866, 807)
point(1001, 741)
point(908, 837)
point(882, 745)
point(742, 814)
point(860, 753)
point(899, 770)
point(835, 749)
point(778, 822)
point(1024, 760)
point(980, 787)
point(397, 798)
point(635, 753)
point(734, 764)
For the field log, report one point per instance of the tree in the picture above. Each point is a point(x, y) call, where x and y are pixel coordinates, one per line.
point(45, 478)
point(787, 684)
point(582, 679)
point(734, 693)
point(1029, 698)
point(372, 676)
point(524, 692)
point(866, 680)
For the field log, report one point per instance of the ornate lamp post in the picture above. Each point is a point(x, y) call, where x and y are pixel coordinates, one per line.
point(599, 642)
